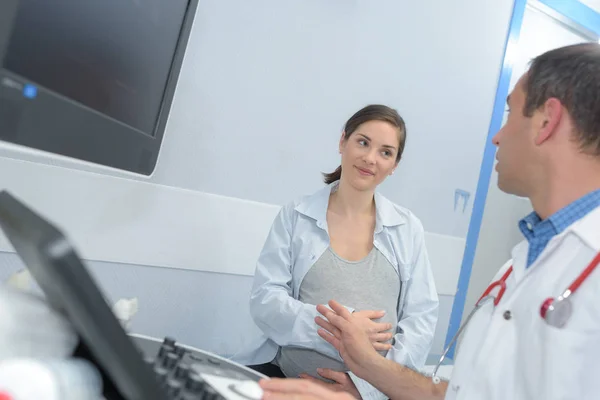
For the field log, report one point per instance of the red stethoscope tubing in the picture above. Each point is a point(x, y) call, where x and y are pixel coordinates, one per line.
point(570, 290)
point(502, 283)
point(583, 276)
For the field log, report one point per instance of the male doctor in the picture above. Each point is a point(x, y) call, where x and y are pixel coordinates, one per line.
point(540, 338)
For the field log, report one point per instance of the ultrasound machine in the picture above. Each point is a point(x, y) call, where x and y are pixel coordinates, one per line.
point(133, 367)
point(75, 81)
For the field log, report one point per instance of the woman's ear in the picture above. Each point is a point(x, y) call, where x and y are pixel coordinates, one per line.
point(342, 142)
point(394, 169)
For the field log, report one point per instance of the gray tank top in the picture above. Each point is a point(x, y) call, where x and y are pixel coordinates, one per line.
point(369, 284)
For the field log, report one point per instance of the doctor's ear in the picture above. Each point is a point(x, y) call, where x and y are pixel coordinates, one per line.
point(551, 114)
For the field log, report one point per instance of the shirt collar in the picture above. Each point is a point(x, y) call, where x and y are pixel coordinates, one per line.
point(315, 206)
point(533, 226)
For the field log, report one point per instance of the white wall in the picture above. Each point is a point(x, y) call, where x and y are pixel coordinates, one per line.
point(499, 229)
point(264, 85)
point(593, 4)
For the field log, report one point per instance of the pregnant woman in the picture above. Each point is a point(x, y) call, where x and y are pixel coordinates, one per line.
point(348, 243)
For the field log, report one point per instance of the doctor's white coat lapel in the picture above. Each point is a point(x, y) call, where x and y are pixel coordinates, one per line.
point(523, 357)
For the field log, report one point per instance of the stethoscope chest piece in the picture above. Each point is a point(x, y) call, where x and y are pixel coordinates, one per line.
point(556, 312)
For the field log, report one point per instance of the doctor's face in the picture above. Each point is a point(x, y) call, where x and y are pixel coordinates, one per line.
point(515, 142)
point(369, 154)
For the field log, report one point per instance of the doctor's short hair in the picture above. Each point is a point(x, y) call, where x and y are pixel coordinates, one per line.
point(373, 112)
point(570, 74)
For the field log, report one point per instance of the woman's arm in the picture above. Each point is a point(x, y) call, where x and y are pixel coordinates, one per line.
point(418, 318)
point(285, 320)
point(416, 321)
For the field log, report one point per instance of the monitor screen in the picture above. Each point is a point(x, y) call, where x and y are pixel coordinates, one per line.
point(94, 79)
point(112, 56)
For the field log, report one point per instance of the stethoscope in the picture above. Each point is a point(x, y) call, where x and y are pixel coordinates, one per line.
point(556, 312)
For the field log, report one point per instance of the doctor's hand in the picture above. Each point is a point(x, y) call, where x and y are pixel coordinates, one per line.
point(345, 332)
point(299, 389)
point(378, 332)
point(341, 381)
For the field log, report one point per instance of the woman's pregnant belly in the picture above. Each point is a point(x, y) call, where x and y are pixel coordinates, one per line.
point(368, 284)
point(294, 361)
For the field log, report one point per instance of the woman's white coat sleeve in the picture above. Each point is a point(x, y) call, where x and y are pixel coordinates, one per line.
point(285, 320)
point(419, 315)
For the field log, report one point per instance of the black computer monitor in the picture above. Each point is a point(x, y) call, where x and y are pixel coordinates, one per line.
point(70, 289)
point(94, 79)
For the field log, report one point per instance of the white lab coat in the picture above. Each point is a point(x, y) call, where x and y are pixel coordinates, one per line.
point(523, 357)
point(298, 237)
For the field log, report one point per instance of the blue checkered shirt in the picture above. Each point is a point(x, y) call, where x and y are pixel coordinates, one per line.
point(538, 233)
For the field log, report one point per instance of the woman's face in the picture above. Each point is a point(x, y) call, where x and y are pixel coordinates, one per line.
point(369, 154)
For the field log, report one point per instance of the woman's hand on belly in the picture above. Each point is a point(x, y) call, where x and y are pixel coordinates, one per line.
point(378, 332)
point(341, 381)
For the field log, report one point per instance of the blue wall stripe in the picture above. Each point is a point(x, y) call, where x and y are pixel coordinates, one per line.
point(486, 171)
point(576, 12)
